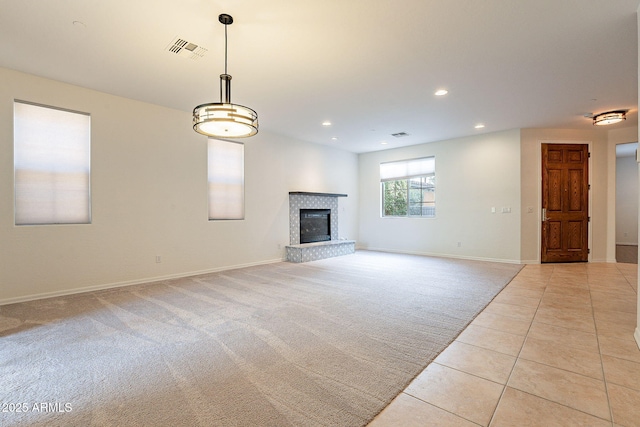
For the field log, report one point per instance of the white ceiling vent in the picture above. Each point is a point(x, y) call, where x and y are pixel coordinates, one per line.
point(187, 49)
point(399, 134)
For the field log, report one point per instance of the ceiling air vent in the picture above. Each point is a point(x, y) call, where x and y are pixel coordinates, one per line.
point(187, 49)
point(399, 134)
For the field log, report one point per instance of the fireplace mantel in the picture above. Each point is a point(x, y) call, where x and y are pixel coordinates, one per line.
point(307, 193)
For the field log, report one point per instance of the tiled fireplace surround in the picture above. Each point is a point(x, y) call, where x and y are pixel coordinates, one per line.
point(295, 252)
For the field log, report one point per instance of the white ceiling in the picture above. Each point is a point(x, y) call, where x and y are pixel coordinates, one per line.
point(369, 66)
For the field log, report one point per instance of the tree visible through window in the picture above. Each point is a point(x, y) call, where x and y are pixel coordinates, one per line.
point(409, 188)
point(395, 198)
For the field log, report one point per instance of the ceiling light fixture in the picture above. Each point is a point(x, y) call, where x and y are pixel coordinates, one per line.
point(441, 92)
point(609, 118)
point(224, 119)
point(479, 126)
point(326, 123)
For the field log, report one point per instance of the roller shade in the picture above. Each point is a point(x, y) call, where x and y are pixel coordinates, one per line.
point(405, 169)
point(226, 179)
point(52, 161)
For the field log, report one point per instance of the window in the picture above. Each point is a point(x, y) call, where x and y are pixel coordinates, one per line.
point(409, 188)
point(52, 158)
point(226, 179)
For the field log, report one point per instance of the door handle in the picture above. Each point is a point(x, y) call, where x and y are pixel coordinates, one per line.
point(544, 214)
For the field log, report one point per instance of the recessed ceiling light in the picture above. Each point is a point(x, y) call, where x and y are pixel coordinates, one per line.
point(441, 92)
point(326, 123)
point(479, 126)
point(384, 143)
point(334, 138)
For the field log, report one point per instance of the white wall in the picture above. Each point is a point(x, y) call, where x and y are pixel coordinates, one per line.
point(473, 175)
point(149, 197)
point(637, 332)
point(626, 200)
point(616, 136)
point(465, 160)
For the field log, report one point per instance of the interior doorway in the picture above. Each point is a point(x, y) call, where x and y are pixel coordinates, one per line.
point(627, 203)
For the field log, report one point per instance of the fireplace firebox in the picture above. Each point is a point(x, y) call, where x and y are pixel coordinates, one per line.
point(315, 225)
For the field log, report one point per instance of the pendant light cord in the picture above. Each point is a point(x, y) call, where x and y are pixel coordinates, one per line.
point(225, 79)
point(225, 48)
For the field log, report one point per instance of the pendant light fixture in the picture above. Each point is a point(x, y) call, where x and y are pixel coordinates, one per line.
point(609, 118)
point(224, 119)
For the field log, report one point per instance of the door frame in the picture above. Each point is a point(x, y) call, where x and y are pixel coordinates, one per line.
point(539, 202)
point(614, 209)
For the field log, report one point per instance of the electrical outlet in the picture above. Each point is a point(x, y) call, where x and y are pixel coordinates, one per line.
point(158, 259)
point(459, 244)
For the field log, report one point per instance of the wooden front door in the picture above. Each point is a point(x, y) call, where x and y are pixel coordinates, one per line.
point(565, 202)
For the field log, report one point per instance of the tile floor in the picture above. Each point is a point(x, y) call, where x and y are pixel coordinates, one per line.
point(554, 348)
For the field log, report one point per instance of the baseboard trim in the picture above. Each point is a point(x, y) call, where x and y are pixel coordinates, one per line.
point(440, 255)
point(637, 336)
point(101, 287)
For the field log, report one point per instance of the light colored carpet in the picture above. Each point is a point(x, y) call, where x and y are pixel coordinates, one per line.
point(627, 254)
point(325, 343)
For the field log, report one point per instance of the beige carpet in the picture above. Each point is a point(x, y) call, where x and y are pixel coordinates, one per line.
point(325, 343)
point(627, 254)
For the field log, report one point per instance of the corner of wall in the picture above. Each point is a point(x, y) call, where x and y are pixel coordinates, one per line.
point(637, 333)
